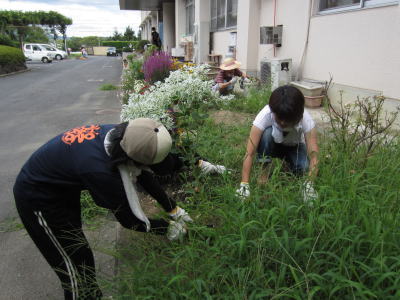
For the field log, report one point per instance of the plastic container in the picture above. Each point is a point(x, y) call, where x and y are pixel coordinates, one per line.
point(309, 89)
point(313, 101)
point(312, 92)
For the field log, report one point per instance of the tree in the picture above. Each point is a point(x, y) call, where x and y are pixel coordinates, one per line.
point(22, 21)
point(36, 35)
point(116, 36)
point(129, 34)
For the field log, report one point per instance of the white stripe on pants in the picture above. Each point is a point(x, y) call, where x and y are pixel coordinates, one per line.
point(70, 267)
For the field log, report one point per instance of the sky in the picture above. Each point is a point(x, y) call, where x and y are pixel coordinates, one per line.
point(97, 17)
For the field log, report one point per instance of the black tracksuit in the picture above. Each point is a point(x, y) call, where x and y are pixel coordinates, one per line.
point(47, 194)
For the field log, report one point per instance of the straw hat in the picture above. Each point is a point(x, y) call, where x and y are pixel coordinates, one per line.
point(229, 64)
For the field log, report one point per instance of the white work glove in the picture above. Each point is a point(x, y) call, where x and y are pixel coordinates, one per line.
point(181, 215)
point(209, 168)
point(243, 191)
point(309, 194)
point(176, 230)
point(233, 80)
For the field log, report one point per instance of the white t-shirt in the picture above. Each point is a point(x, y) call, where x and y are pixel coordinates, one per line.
point(288, 136)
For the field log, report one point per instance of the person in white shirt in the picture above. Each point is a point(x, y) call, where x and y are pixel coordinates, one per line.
point(283, 129)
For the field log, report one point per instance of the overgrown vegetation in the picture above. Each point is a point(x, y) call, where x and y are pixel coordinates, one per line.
point(273, 246)
point(91, 214)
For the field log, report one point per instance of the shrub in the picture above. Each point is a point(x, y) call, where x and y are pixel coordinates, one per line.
point(127, 49)
point(157, 67)
point(140, 45)
point(117, 44)
point(11, 59)
point(136, 67)
point(7, 41)
point(187, 88)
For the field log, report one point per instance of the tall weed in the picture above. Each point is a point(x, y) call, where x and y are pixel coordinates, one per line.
point(273, 246)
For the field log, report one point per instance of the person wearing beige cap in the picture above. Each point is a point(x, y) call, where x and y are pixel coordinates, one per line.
point(108, 161)
point(227, 76)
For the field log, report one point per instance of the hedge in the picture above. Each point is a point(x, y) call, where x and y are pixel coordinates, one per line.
point(11, 59)
point(117, 44)
point(137, 45)
point(7, 41)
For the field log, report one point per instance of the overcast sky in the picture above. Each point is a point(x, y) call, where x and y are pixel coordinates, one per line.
point(91, 17)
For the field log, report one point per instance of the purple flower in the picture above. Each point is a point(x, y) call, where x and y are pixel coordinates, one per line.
point(157, 66)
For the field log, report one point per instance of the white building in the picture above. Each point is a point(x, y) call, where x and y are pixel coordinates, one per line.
point(356, 42)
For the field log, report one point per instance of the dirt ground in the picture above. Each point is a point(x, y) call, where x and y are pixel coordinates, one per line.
point(230, 118)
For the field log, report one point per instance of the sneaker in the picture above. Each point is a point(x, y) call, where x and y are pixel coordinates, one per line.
point(176, 230)
point(209, 168)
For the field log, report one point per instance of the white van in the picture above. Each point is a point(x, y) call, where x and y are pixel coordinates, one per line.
point(57, 53)
point(35, 52)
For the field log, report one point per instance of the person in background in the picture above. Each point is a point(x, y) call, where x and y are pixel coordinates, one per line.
point(108, 161)
point(228, 75)
point(283, 129)
point(155, 38)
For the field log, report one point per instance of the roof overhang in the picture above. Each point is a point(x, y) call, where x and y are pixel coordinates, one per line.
point(142, 4)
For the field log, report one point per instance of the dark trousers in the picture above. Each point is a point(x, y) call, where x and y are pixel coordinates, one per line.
point(55, 226)
point(295, 156)
point(63, 245)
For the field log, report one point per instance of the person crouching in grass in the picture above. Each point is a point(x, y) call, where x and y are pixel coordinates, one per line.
point(283, 129)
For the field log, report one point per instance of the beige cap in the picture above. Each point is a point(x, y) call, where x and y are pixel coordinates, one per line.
point(146, 141)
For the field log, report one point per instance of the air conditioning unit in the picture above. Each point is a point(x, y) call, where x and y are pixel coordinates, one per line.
point(276, 72)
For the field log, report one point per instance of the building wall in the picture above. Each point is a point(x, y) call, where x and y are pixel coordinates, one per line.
point(221, 42)
point(360, 49)
point(169, 26)
point(293, 16)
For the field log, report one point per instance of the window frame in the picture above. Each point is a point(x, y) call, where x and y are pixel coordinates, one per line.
point(364, 4)
point(189, 7)
point(215, 17)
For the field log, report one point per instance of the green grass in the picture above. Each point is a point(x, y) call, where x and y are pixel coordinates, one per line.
point(108, 87)
point(253, 102)
point(273, 246)
point(91, 213)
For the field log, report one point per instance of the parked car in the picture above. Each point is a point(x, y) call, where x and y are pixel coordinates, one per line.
point(35, 52)
point(112, 51)
point(57, 53)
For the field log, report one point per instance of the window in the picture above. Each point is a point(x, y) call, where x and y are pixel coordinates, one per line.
point(189, 16)
point(341, 5)
point(231, 13)
point(328, 4)
point(223, 14)
point(28, 47)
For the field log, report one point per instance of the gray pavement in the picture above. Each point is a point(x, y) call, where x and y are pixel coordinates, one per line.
point(35, 106)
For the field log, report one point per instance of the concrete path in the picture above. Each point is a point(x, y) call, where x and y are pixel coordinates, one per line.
point(35, 106)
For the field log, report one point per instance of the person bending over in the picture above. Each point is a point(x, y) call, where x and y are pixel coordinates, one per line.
point(106, 160)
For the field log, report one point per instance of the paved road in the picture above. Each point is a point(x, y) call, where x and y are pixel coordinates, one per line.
point(35, 106)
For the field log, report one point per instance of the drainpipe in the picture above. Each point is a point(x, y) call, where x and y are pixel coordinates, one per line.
point(299, 73)
point(274, 25)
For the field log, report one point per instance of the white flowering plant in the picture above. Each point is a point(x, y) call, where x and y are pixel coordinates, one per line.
point(187, 89)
